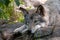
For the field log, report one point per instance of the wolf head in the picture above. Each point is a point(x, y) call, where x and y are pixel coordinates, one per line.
point(35, 20)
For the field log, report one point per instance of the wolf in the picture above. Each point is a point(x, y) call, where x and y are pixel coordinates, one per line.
point(45, 15)
point(35, 20)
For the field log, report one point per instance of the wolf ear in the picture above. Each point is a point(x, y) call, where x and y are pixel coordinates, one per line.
point(40, 10)
point(26, 14)
point(23, 10)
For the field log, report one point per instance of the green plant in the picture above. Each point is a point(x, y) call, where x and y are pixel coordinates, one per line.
point(7, 9)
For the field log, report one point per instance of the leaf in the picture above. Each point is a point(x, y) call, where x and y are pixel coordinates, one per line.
point(17, 2)
point(1, 12)
point(5, 2)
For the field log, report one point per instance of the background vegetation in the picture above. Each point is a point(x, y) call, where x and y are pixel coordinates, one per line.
point(7, 11)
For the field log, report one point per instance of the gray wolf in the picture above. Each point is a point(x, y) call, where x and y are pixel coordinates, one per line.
point(34, 21)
